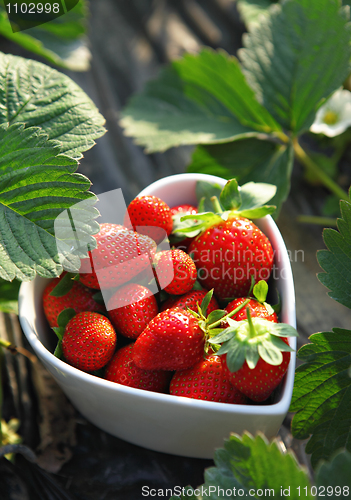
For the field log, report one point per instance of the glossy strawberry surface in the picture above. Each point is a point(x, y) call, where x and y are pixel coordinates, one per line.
point(172, 340)
point(207, 381)
point(228, 253)
point(120, 255)
point(176, 271)
point(151, 216)
point(131, 308)
point(79, 298)
point(89, 341)
point(122, 370)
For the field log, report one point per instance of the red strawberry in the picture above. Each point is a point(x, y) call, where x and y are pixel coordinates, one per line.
point(190, 300)
point(176, 239)
point(228, 253)
point(120, 255)
point(89, 341)
point(206, 380)
point(258, 383)
point(173, 340)
point(176, 271)
point(255, 354)
point(122, 369)
point(78, 298)
point(151, 216)
point(131, 308)
point(257, 310)
point(230, 248)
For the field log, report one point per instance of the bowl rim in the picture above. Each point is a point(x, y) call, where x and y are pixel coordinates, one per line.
point(48, 358)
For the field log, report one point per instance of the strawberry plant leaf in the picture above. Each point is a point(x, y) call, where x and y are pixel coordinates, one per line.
point(37, 184)
point(336, 261)
point(230, 197)
point(33, 93)
point(204, 192)
point(297, 56)
point(260, 291)
point(251, 11)
point(9, 295)
point(255, 195)
point(64, 286)
point(248, 160)
point(322, 394)
point(64, 317)
point(199, 99)
point(62, 41)
point(335, 475)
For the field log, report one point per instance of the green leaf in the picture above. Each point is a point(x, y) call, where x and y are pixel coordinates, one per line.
point(199, 99)
point(322, 394)
point(230, 197)
point(37, 184)
point(281, 329)
point(248, 160)
point(270, 353)
point(64, 317)
point(235, 355)
point(61, 41)
point(215, 316)
point(336, 261)
point(251, 11)
point(64, 286)
point(296, 57)
point(9, 296)
point(256, 194)
point(260, 291)
point(206, 301)
point(33, 93)
point(204, 192)
point(335, 476)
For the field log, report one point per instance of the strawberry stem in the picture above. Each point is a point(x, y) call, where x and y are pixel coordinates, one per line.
point(251, 326)
point(216, 205)
point(229, 315)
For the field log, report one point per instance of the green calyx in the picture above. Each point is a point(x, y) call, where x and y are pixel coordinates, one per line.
point(211, 324)
point(251, 339)
point(234, 201)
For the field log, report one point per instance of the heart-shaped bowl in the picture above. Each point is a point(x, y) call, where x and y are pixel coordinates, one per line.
point(162, 422)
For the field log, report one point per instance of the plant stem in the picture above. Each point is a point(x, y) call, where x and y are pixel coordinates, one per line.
point(251, 326)
point(216, 206)
point(1, 360)
point(229, 315)
point(314, 219)
point(318, 172)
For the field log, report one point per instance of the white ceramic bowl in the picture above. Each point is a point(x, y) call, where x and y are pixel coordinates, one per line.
point(162, 422)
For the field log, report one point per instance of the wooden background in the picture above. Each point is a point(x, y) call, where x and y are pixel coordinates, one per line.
point(130, 40)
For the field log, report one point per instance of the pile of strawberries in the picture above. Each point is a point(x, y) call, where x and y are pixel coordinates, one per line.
point(208, 332)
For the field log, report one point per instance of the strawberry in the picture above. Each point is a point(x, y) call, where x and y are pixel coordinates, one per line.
point(230, 248)
point(255, 354)
point(190, 300)
point(257, 305)
point(89, 341)
point(77, 297)
point(206, 380)
point(120, 255)
point(151, 216)
point(173, 340)
point(131, 308)
point(176, 339)
point(176, 271)
point(122, 370)
point(176, 239)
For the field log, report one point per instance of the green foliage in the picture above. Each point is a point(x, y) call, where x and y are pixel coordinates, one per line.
point(36, 184)
point(34, 94)
point(298, 56)
point(322, 394)
point(61, 41)
point(9, 295)
point(199, 99)
point(252, 464)
point(244, 114)
point(251, 11)
point(336, 261)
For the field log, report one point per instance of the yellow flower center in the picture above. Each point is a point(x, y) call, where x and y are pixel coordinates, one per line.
point(330, 118)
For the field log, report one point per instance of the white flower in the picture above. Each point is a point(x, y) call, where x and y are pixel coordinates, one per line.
point(333, 117)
